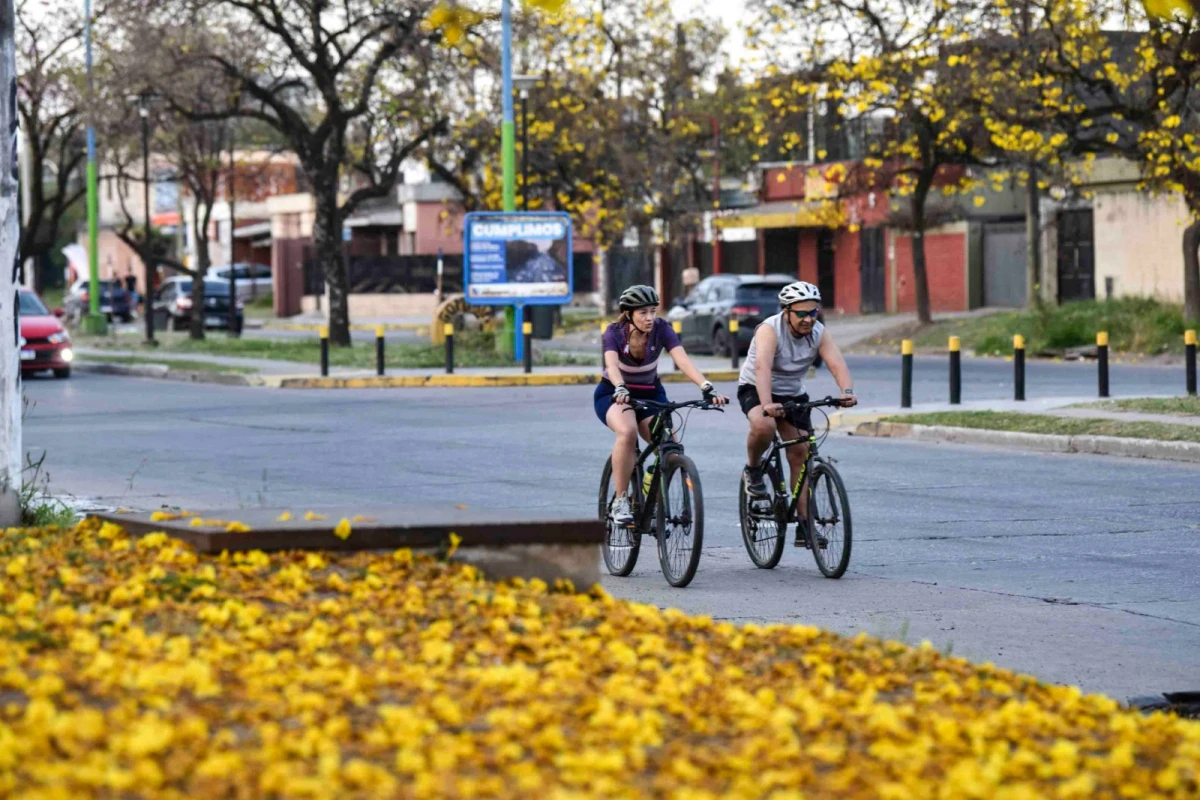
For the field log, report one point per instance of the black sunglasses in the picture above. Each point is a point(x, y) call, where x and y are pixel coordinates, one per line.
point(802, 314)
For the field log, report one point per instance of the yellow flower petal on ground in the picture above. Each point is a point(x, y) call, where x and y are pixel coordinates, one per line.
point(342, 531)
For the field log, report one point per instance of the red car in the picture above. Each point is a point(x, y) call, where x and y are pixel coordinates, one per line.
point(45, 343)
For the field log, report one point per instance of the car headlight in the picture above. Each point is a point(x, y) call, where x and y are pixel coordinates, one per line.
point(58, 338)
point(68, 355)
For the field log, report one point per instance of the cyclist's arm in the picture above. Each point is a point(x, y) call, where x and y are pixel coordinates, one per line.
point(684, 364)
point(612, 367)
point(764, 345)
point(832, 357)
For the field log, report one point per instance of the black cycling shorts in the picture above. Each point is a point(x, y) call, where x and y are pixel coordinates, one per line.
point(748, 398)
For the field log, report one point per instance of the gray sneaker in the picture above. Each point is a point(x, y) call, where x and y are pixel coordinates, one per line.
point(621, 513)
point(756, 486)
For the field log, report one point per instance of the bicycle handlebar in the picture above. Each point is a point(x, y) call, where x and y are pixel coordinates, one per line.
point(654, 405)
point(794, 406)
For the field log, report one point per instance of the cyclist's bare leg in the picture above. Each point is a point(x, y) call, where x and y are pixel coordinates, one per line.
point(644, 428)
point(796, 456)
point(762, 433)
point(623, 422)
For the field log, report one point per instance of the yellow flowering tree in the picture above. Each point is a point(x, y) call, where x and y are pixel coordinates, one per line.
point(615, 121)
point(1132, 93)
point(896, 78)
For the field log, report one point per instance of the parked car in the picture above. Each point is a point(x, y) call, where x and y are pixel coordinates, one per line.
point(115, 302)
point(704, 314)
point(253, 280)
point(45, 343)
point(173, 305)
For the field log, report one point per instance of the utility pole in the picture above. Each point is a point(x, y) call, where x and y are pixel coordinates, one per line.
point(233, 328)
point(11, 448)
point(143, 100)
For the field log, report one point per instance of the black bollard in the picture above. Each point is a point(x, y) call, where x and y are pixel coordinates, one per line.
point(527, 335)
point(1018, 367)
point(379, 350)
point(449, 331)
point(324, 351)
point(733, 342)
point(955, 371)
point(1102, 361)
point(1189, 352)
point(906, 367)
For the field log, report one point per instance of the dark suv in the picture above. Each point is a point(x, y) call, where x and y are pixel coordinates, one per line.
point(705, 313)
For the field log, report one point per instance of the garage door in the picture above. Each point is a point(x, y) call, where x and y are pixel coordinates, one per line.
point(1004, 264)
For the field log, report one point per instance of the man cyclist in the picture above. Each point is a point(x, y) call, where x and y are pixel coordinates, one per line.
point(783, 349)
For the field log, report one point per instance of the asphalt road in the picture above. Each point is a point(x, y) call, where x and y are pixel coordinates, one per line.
point(1079, 569)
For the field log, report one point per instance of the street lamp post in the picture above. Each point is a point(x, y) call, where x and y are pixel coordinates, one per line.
point(144, 100)
point(523, 85)
point(716, 154)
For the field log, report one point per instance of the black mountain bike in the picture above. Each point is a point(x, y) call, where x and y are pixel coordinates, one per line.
point(827, 529)
point(666, 500)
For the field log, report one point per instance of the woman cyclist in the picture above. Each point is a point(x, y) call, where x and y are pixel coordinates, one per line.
point(632, 346)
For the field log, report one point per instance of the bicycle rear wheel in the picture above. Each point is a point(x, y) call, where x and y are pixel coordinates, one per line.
point(680, 520)
point(763, 527)
point(621, 545)
point(829, 529)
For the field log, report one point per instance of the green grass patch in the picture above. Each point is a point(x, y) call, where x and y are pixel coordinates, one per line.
point(471, 349)
point(1045, 423)
point(184, 364)
point(1135, 325)
point(1180, 406)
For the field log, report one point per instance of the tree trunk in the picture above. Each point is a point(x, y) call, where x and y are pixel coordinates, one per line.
point(920, 275)
point(1033, 240)
point(1191, 271)
point(327, 236)
point(11, 448)
point(196, 323)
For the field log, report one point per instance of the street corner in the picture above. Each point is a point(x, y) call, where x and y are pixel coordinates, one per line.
point(477, 381)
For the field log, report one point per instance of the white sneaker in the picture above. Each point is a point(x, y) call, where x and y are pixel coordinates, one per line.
point(621, 513)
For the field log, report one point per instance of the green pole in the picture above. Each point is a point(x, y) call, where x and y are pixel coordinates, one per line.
point(94, 323)
point(508, 160)
point(508, 150)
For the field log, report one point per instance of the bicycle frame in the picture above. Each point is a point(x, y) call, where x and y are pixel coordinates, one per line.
point(662, 432)
point(774, 454)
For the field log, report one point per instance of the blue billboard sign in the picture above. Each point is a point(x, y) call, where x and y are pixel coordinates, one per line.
point(517, 258)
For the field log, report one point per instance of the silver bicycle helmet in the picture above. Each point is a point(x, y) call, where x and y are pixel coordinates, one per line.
point(638, 297)
point(798, 292)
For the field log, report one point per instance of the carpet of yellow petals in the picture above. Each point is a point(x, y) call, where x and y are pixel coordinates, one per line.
point(136, 668)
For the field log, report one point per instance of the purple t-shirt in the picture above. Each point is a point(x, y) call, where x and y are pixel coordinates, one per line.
point(639, 373)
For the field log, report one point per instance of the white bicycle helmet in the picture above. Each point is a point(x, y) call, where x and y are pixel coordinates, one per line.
point(798, 292)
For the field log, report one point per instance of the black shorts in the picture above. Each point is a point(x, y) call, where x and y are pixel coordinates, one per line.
point(748, 398)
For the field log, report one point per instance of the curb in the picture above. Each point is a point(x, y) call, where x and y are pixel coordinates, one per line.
point(465, 381)
point(313, 326)
point(1041, 442)
point(163, 372)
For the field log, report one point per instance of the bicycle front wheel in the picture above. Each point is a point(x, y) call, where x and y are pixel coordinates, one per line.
point(829, 529)
point(763, 527)
point(680, 520)
point(621, 545)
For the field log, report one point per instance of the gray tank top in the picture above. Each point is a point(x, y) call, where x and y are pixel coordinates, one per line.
point(793, 356)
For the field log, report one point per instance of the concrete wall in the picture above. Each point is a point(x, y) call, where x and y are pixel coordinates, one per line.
point(1139, 244)
point(383, 305)
point(438, 225)
point(945, 264)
